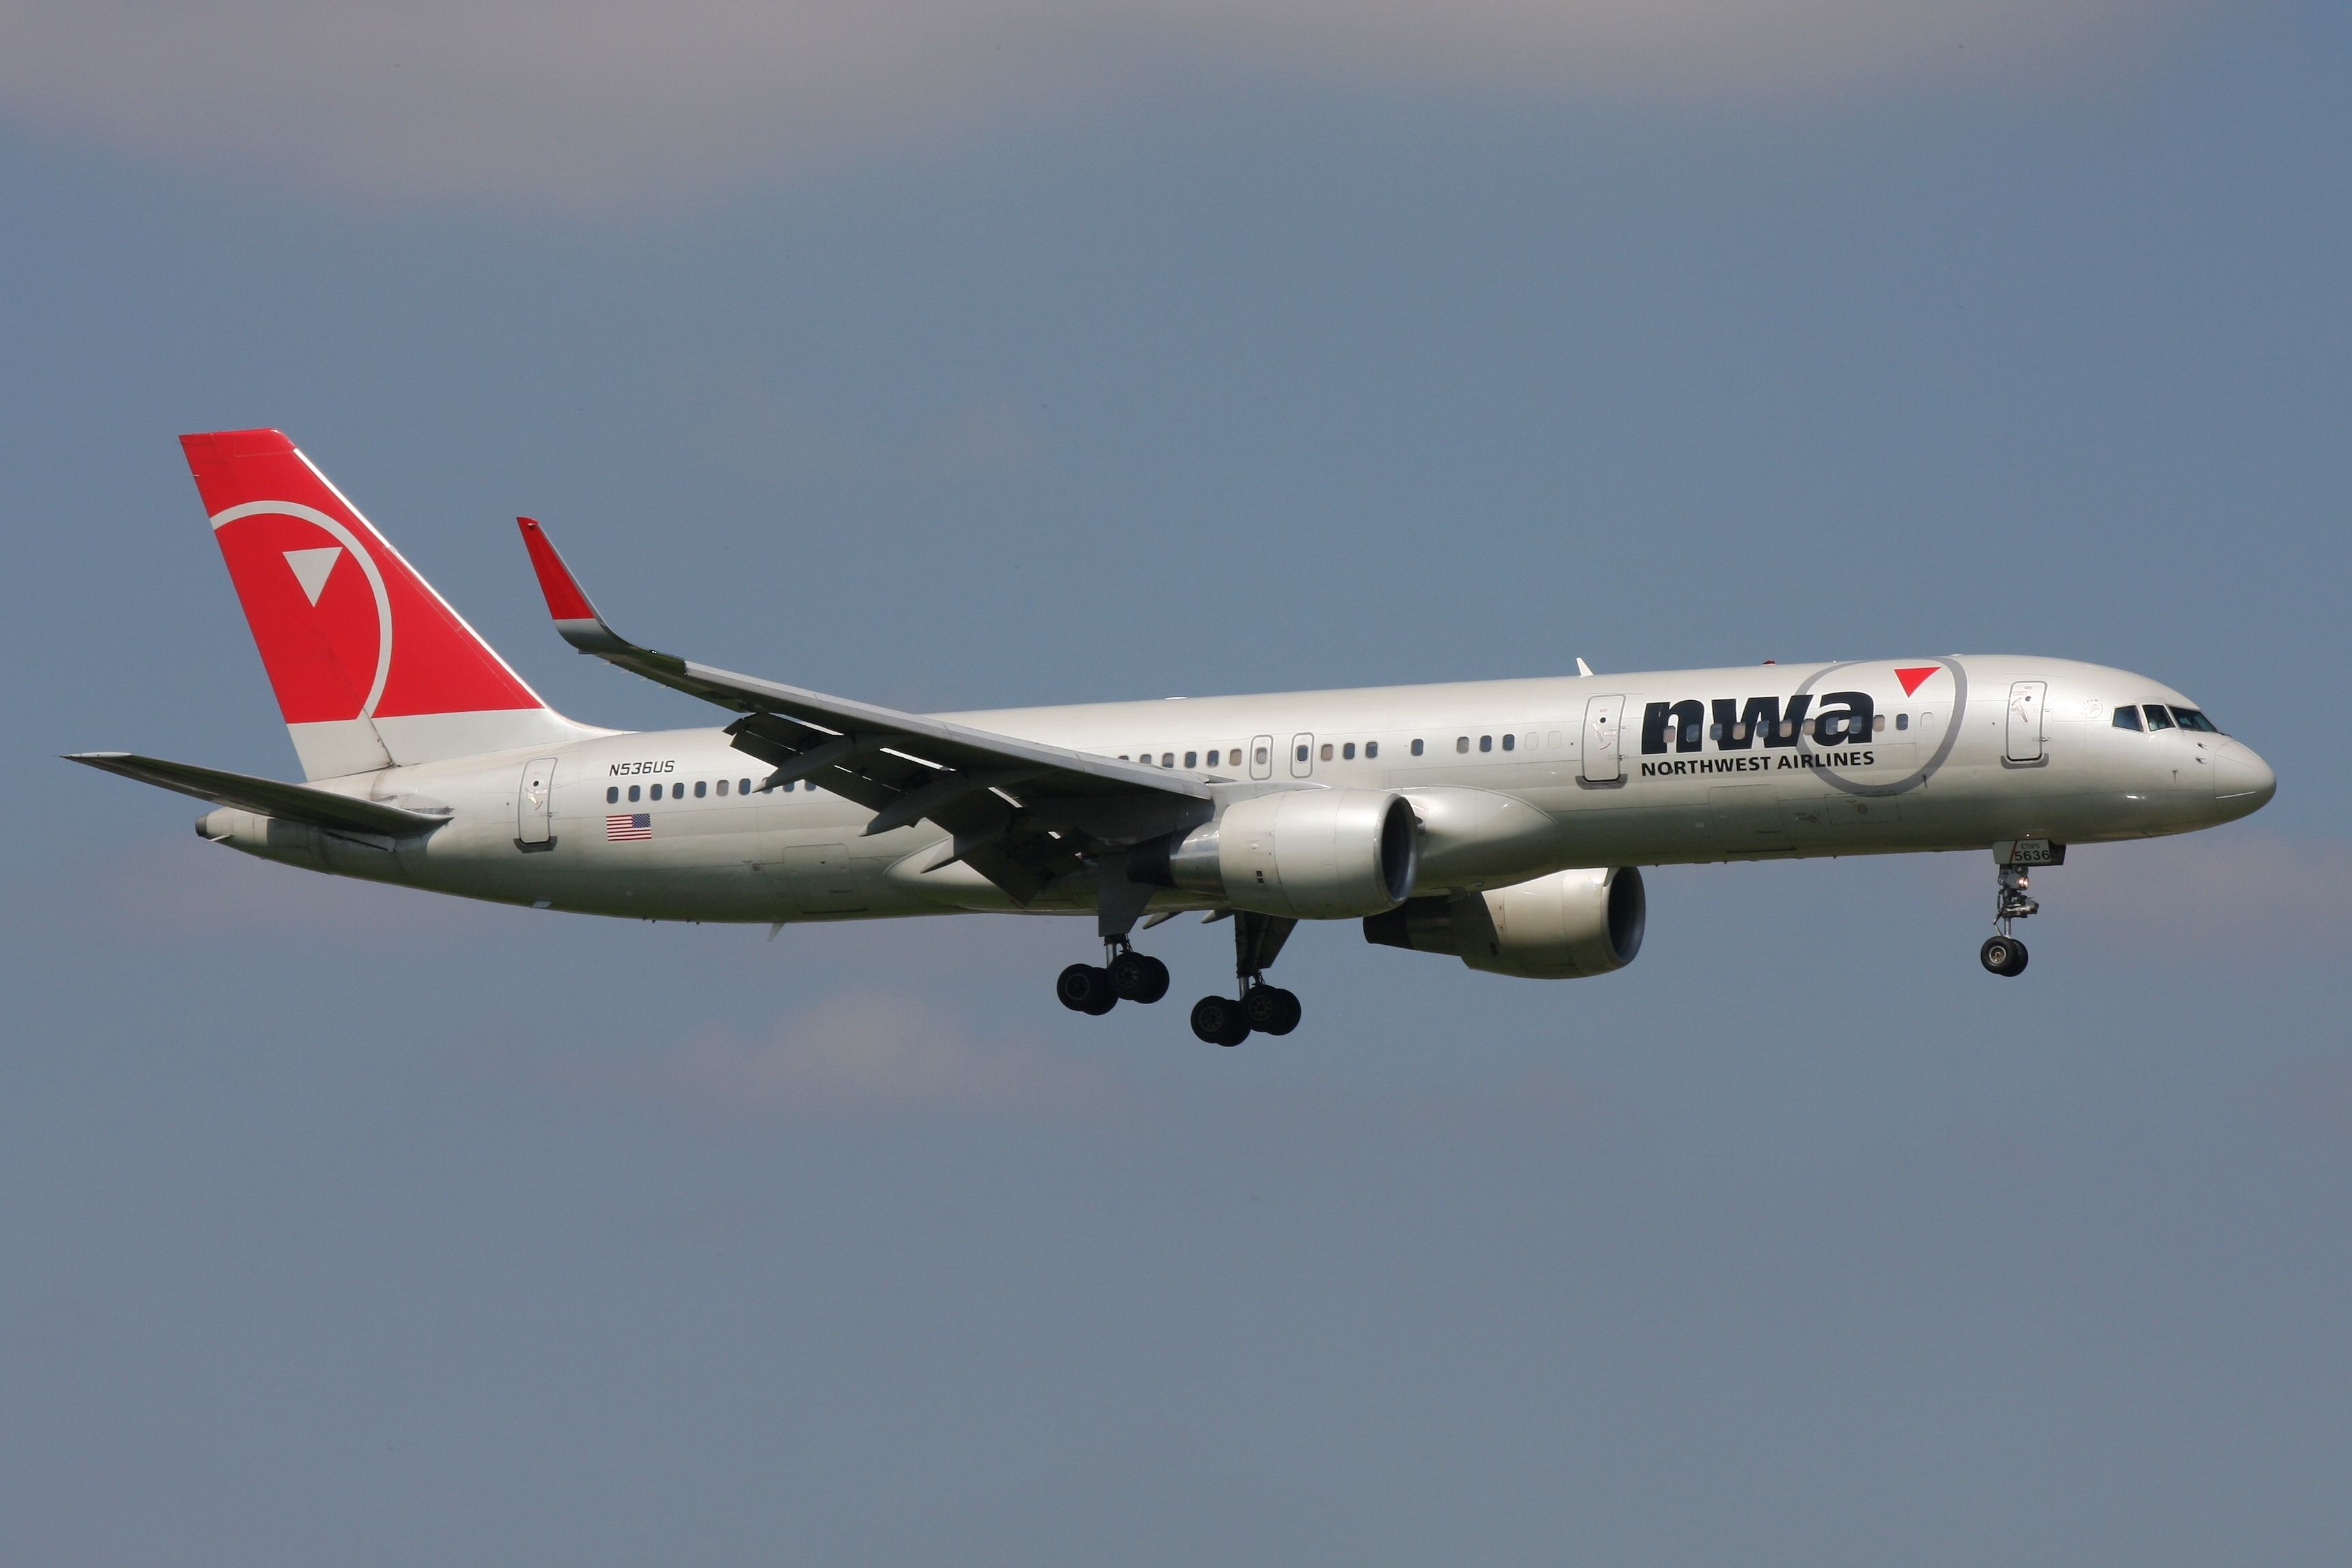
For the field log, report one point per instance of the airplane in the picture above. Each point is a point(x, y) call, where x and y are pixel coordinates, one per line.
point(1500, 821)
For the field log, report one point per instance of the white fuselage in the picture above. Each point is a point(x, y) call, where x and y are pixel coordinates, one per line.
point(1513, 780)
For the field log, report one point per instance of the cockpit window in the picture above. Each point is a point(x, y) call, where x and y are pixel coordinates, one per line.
point(2157, 718)
point(2127, 718)
point(2193, 719)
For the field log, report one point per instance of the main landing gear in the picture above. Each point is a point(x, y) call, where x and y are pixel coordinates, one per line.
point(2002, 954)
point(1261, 1008)
point(1125, 976)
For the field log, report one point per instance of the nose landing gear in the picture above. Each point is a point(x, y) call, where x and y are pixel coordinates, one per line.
point(2003, 954)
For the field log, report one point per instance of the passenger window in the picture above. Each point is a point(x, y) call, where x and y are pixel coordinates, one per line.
point(701, 788)
point(1302, 754)
point(1714, 733)
point(1902, 720)
point(743, 786)
point(1416, 748)
point(722, 787)
point(2127, 718)
point(1371, 750)
point(1212, 759)
point(1510, 742)
point(1191, 759)
point(1261, 756)
point(2157, 718)
point(1166, 759)
point(613, 796)
point(1878, 724)
point(1325, 753)
point(2194, 718)
point(633, 795)
point(1461, 743)
point(1485, 742)
point(1347, 752)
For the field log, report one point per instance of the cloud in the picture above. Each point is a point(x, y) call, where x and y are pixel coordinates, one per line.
point(585, 104)
point(878, 1052)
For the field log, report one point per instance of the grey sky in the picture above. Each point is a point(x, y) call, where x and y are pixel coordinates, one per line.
point(1184, 349)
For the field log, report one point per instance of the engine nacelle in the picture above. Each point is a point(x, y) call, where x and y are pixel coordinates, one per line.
point(1312, 854)
point(1555, 928)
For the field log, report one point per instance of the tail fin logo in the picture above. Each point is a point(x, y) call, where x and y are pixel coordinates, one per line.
point(356, 629)
point(311, 568)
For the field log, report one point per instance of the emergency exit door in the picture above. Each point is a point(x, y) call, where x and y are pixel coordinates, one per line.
point(534, 806)
point(2025, 703)
point(1604, 719)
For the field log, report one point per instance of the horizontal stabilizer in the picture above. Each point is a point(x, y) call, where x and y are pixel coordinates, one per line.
point(268, 797)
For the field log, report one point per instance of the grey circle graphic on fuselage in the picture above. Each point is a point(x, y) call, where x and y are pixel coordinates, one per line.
point(1806, 744)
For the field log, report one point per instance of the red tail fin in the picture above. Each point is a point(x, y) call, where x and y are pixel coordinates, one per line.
point(371, 666)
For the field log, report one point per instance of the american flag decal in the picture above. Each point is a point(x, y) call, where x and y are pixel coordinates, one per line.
point(624, 828)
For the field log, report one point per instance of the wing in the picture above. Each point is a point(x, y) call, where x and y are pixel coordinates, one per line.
point(1022, 814)
point(270, 797)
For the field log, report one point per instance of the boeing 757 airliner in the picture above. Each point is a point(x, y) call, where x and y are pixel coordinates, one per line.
point(1502, 822)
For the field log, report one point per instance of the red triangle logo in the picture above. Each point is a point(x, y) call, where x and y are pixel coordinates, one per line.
point(1912, 680)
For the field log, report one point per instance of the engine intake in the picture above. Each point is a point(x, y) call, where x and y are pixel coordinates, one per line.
point(1312, 854)
point(1558, 926)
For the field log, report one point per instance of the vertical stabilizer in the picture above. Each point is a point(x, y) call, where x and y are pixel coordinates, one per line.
point(371, 668)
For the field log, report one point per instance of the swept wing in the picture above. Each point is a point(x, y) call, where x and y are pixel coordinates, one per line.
point(1023, 813)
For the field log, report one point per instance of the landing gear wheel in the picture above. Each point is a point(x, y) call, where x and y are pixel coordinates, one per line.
point(1086, 988)
point(1137, 977)
point(2003, 955)
point(1220, 1021)
point(1271, 1010)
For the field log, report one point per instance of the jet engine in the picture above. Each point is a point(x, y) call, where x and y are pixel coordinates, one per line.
point(1312, 854)
point(1558, 927)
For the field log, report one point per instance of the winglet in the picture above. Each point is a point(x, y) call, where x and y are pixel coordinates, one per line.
point(575, 617)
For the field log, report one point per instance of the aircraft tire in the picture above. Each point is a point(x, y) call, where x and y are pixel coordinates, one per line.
point(2003, 955)
point(1219, 1020)
point(1271, 1010)
point(1086, 988)
point(1139, 977)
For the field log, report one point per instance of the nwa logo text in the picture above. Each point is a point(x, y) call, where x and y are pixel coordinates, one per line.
point(1762, 725)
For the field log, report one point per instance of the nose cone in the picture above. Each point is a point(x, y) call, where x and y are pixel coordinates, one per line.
point(2243, 783)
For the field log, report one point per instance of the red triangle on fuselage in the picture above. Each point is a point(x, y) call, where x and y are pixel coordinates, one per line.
point(1913, 678)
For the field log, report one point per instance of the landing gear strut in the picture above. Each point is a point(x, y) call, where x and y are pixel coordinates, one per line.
point(1260, 1008)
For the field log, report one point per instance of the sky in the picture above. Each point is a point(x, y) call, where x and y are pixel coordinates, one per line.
point(1033, 351)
